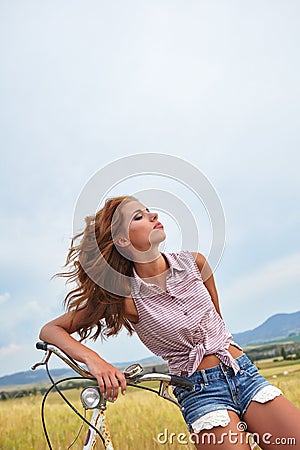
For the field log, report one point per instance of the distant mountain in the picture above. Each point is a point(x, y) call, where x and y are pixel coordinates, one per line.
point(39, 376)
point(277, 327)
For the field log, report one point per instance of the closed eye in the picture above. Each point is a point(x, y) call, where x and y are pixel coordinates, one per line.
point(140, 214)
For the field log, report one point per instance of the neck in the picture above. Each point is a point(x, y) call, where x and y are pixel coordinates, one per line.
point(151, 269)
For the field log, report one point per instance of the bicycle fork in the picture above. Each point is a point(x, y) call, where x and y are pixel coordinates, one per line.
point(98, 421)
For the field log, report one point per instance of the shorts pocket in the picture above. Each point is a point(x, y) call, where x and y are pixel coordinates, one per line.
point(183, 394)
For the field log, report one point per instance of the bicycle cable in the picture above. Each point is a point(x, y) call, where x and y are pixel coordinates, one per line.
point(143, 387)
point(78, 433)
point(55, 386)
point(83, 418)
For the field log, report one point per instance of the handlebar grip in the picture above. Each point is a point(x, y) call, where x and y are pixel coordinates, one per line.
point(42, 346)
point(181, 382)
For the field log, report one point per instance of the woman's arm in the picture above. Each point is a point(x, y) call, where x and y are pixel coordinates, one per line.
point(58, 332)
point(208, 279)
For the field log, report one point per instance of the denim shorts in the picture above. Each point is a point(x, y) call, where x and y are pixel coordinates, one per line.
point(219, 389)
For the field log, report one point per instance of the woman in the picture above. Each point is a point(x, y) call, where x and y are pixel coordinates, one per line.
point(171, 301)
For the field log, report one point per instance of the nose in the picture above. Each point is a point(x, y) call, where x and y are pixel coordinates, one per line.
point(153, 216)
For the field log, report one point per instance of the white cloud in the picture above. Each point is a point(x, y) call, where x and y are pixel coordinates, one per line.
point(272, 276)
point(273, 288)
point(169, 79)
point(9, 349)
point(31, 310)
point(4, 297)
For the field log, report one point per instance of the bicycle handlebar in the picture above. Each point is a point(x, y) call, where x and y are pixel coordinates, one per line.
point(63, 356)
point(169, 379)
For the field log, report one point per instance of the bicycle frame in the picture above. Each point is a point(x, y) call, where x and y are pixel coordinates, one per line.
point(98, 421)
point(98, 426)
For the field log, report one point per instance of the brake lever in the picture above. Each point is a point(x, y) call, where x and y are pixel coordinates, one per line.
point(44, 360)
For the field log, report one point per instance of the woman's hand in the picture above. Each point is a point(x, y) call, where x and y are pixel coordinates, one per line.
point(109, 378)
point(58, 332)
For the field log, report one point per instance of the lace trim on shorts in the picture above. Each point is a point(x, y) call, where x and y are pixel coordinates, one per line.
point(212, 419)
point(266, 394)
point(221, 417)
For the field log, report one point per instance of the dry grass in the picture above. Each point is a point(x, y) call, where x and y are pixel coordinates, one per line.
point(135, 420)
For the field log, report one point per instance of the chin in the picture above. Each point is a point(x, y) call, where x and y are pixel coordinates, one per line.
point(160, 237)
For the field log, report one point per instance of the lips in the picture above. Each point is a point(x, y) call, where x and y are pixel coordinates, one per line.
point(158, 225)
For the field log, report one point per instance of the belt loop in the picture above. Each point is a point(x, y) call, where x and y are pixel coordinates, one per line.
point(204, 376)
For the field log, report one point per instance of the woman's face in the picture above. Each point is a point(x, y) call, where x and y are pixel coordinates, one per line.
point(142, 226)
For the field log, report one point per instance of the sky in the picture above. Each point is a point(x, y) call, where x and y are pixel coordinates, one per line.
point(84, 84)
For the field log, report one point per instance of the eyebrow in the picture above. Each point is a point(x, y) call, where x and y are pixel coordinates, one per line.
point(140, 209)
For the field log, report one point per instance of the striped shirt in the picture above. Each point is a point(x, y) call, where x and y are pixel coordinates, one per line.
point(181, 324)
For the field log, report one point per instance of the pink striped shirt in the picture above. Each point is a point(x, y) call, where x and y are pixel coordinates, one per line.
point(181, 324)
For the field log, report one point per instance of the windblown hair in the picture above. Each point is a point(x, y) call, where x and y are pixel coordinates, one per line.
point(98, 269)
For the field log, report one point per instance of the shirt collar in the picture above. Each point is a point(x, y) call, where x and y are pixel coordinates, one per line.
point(174, 266)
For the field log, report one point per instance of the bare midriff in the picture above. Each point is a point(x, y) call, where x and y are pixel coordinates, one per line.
point(209, 361)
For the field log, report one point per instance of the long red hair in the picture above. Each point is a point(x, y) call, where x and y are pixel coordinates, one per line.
point(90, 261)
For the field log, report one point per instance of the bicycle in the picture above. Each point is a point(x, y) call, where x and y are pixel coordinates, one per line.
point(92, 399)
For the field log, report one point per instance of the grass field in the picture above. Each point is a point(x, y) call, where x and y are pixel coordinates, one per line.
point(135, 420)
